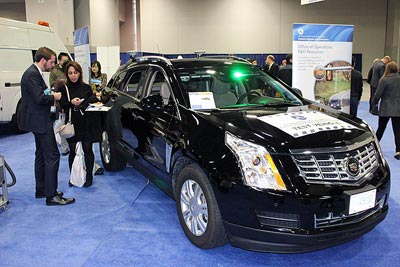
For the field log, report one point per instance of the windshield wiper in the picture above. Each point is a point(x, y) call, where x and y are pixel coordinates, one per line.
point(282, 104)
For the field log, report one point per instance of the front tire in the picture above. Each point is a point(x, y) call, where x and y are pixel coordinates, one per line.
point(112, 161)
point(198, 210)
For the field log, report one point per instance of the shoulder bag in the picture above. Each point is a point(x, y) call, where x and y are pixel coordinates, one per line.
point(67, 130)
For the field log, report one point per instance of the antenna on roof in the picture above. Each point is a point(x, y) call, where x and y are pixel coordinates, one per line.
point(199, 53)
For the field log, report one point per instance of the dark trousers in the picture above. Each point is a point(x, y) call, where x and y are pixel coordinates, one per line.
point(89, 157)
point(47, 161)
point(371, 95)
point(383, 121)
point(353, 105)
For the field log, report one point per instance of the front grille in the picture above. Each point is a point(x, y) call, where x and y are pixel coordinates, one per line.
point(332, 167)
point(277, 219)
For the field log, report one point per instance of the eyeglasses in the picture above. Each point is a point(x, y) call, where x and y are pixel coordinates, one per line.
point(72, 72)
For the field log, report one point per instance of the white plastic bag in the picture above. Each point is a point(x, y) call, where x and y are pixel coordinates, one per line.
point(78, 170)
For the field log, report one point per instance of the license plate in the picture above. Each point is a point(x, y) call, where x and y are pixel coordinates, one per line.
point(362, 201)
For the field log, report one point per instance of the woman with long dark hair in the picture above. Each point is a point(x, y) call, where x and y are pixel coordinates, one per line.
point(388, 96)
point(87, 130)
point(98, 80)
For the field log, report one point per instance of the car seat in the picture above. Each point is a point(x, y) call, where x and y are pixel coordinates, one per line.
point(165, 93)
point(222, 94)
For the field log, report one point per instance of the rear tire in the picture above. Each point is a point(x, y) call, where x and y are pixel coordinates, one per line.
point(198, 210)
point(112, 161)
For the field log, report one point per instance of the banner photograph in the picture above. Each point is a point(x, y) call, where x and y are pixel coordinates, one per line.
point(322, 62)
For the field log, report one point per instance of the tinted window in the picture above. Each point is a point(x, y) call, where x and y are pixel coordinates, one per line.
point(159, 86)
point(233, 85)
point(135, 83)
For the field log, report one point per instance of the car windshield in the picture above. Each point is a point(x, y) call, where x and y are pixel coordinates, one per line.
point(233, 85)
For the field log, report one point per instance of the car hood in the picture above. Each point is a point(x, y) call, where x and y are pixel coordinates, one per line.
point(287, 128)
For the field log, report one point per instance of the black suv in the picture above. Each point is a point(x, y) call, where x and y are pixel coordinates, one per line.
point(245, 157)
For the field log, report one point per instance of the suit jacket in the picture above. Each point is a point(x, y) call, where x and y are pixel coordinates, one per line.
point(285, 74)
point(377, 72)
point(274, 69)
point(35, 113)
point(388, 92)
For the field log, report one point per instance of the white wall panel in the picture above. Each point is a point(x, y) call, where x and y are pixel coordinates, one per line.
point(58, 13)
point(255, 26)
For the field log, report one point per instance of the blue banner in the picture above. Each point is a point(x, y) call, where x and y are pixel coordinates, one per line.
point(323, 33)
point(322, 62)
point(81, 36)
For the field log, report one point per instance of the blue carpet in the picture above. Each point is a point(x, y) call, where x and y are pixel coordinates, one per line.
point(123, 221)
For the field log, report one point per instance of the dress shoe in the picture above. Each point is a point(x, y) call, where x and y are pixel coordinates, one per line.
point(99, 171)
point(397, 156)
point(88, 182)
point(57, 200)
point(40, 194)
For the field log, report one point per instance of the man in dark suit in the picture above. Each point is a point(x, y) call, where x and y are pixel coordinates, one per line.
point(285, 73)
point(377, 72)
point(37, 117)
point(270, 66)
point(356, 88)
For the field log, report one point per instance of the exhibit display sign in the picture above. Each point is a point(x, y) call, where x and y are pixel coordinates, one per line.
point(322, 62)
point(82, 51)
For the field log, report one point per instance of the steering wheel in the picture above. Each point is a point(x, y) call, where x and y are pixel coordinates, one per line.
point(242, 97)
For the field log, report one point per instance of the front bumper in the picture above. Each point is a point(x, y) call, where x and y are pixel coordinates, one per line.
point(297, 223)
point(284, 242)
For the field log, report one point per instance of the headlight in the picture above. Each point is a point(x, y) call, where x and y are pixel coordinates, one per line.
point(376, 139)
point(258, 168)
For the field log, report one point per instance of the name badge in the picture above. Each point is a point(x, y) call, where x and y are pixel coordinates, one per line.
point(53, 109)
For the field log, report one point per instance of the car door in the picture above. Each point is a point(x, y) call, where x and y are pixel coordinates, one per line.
point(126, 113)
point(162, 120)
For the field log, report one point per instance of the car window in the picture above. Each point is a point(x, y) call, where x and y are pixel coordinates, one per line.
point(233, 86)
point(159, 86)
point(116, 81)
point(134, 83)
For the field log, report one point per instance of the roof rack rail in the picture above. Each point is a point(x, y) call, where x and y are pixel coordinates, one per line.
point(154, 58)
point(228, 57)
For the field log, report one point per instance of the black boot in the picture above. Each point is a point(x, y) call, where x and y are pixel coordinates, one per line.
point(89, 182)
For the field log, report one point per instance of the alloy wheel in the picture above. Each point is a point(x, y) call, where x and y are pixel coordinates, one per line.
point(194, 207)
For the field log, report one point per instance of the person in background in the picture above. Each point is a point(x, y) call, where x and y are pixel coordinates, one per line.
point(285, 73)
point(37, 117)
point(254, 62)
point(369, 75)
point(57, 71)
point(270, 65)
point(282, 64)
point(377, 72)
point(356, 88)
point(98, 80)
point(388, 96)
point(87, 130)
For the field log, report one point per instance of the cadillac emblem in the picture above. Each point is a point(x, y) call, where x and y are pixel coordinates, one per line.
point(352, 166)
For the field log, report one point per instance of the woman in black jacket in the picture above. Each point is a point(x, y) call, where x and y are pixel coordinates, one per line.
point(388, 93)
point(87, 127)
